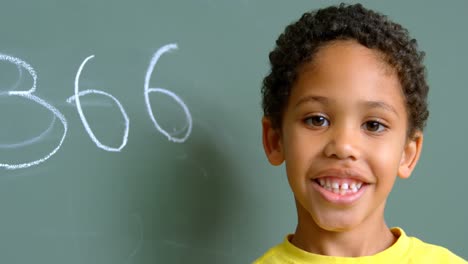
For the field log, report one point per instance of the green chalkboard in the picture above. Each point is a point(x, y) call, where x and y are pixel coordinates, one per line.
point(130, 130)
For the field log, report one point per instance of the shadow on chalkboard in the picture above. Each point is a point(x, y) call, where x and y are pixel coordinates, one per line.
point(186, 197)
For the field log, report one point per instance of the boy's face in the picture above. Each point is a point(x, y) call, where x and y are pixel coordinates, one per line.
point(343, 137)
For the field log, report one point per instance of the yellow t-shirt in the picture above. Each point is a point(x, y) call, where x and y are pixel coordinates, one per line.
point(405, 250)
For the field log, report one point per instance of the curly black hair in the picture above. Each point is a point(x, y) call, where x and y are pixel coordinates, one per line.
point(301, 41)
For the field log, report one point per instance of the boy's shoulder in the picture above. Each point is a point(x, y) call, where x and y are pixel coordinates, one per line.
point(423, 252)
point(275, 255)
point(405, 250)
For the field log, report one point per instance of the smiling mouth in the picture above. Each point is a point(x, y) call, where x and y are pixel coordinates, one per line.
point(341, 186)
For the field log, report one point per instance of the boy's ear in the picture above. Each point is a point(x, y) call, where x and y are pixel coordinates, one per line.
point(272, 142)
point(410, 155)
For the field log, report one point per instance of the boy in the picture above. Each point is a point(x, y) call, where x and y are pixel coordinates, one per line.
point(344, 108)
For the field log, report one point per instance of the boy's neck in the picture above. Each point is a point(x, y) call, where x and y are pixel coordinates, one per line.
point(367, 239)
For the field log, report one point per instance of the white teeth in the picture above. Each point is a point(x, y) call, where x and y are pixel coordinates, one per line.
point(335, 187)
point(322, 182)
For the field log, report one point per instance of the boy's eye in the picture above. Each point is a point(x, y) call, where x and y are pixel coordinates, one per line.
point(317, 121)
point(374, 126)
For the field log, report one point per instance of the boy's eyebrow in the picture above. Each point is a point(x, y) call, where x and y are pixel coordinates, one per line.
point(312, 98)
point(380, 104)
point(326, 101)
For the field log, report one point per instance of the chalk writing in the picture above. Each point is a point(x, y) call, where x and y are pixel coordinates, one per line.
point(77, 96)
point(76, 99)
point(148, 90)
point(29, 95)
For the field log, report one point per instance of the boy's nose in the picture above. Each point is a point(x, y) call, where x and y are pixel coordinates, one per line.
point(343, 143)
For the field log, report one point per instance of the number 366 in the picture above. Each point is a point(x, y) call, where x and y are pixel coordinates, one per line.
point(29, 94)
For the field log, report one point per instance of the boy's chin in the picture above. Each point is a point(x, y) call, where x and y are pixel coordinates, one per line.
point(334, 224)
point(337, 221)
point(331, 220)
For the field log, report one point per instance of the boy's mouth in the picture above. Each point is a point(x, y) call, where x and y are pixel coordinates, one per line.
point(340, 185)
point(337, 190)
